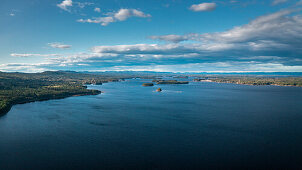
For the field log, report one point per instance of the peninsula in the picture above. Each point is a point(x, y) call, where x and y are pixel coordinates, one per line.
point(19, 88)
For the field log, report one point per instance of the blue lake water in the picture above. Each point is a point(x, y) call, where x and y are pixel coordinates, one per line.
point(202, 124)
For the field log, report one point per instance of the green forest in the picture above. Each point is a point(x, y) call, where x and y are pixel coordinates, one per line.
point(278, 81)
point(18, 88)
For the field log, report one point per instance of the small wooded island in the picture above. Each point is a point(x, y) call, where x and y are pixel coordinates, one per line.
point(148, 84)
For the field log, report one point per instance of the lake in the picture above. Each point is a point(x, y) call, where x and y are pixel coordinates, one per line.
point(201, 124)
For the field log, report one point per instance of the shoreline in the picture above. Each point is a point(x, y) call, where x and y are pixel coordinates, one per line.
point(248, 84)
point(6, 109)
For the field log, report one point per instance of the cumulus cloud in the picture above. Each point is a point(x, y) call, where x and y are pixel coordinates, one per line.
point(59, 45)
point(203, 7)
point(277, 29)
point(124, 14)
point(97, 10)
point(276, 2)
point(65, 4)
point(281, 27)
point(104, 21)
point(121, 15)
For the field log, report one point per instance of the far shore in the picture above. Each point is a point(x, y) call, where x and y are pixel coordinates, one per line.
point(248, 84)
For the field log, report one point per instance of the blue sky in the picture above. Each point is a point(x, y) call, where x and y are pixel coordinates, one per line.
point(151, 35)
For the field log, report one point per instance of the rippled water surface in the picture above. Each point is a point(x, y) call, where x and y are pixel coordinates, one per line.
point(129, 126)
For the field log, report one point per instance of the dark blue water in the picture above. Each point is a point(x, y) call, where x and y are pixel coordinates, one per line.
point(202, 124)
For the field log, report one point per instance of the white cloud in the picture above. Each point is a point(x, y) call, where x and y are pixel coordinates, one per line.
point(276, 2)
point(65, 4)
point(278, 27)
point(279, 30)
point(203, 7)
point(104, 21)
point(97, 10)
point(146, 49)
point(84, 4)
point(121, 15)
point(124, 14)
point(59, 45)
point(33, 55)
point(12, 14)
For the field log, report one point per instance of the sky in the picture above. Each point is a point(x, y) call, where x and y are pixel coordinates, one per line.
point(151, 35)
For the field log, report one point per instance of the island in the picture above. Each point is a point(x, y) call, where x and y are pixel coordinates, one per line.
point(148, 84)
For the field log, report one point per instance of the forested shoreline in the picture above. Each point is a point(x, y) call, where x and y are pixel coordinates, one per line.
point(19, 88)
point(259, 81)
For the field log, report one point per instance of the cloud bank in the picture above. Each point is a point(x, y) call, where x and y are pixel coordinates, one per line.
point(280, 29)
point(268, 43)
